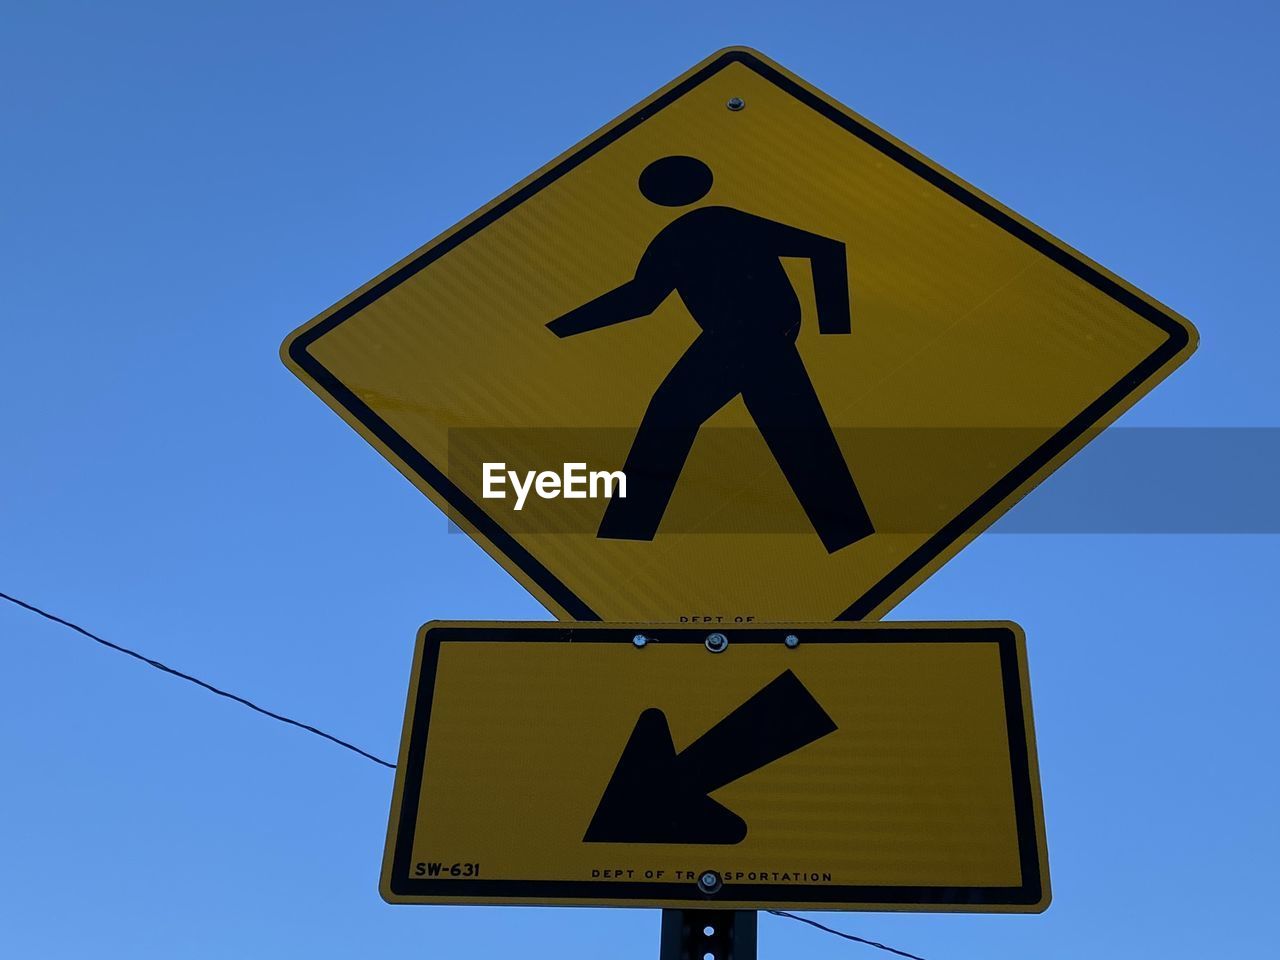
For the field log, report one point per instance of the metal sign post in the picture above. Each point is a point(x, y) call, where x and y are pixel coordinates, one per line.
point(692, 934)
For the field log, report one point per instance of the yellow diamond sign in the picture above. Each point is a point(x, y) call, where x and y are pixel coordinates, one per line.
point(819, 363)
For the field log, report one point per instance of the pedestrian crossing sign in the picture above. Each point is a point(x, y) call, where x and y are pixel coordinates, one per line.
point(738, 356)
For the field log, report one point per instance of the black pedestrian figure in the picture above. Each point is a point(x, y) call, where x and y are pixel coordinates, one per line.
point(724, 264)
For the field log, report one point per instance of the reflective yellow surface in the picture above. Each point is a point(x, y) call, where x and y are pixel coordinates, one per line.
point(958, 325)
point(915, 787)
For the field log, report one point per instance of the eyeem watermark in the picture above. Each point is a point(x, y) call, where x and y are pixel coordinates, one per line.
point(574, 482)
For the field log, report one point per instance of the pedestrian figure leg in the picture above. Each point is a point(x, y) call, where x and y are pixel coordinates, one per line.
point(781, 399)
point(701, 382)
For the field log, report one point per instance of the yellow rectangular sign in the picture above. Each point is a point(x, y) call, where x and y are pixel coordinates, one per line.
point(843, 767)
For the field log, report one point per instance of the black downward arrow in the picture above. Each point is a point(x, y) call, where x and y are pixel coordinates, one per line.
point(658, 796)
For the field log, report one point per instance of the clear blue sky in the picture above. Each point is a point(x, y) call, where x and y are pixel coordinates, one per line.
point(182, 185)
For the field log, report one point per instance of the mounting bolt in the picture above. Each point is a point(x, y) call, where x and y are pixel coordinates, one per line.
point(736, 103)
point(791, 640)
point(639, 640)
point(709, 881)
point(716, 642)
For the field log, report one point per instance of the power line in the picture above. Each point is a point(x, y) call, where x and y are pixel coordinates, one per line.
point(841, 933)
point(164, 668)
point(197, 681)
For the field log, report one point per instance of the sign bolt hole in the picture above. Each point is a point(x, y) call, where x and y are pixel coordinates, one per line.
point(709, 881)
point(736, 103)
point(639, 640)
point(716, 642)
point(791, 640)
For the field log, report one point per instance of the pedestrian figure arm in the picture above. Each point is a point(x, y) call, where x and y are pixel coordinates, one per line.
point(635, 298)
point(830, 272)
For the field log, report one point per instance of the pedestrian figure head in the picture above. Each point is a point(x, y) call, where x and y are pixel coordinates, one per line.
point(675, 181)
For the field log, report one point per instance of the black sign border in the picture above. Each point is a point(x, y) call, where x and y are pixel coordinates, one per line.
point(879, 593)
point(623, 893)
